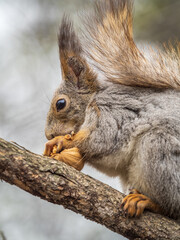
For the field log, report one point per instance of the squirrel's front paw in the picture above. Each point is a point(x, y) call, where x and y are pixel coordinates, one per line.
point(71, 157)
point(135, 203)
point(57, 144)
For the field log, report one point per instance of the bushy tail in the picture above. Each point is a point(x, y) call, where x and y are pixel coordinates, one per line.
point(111, 48)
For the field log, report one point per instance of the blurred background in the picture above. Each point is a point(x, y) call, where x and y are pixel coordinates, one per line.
point(30, 72)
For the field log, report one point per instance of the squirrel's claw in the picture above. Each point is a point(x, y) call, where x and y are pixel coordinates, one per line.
point(48, 148)
point(135, 204)
point(56, 144)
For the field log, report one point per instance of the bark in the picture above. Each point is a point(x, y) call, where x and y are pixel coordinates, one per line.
point(58, 183)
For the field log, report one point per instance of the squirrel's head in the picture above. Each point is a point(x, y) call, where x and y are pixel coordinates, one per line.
point(67, 110)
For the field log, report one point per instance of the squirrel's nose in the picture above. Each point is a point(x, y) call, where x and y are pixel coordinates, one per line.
point(49, 135)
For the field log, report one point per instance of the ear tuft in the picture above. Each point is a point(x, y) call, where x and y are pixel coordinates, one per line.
point(73, 65)
point(67, 39)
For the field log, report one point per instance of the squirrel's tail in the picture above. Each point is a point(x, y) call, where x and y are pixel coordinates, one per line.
point(110, 47)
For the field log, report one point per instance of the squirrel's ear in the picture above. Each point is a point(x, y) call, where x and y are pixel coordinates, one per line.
point(73, 65)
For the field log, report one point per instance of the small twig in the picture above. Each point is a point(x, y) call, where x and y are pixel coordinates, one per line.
point(2, 236)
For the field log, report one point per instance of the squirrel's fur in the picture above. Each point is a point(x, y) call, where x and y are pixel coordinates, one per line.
point(110, 45)
point(129, 127)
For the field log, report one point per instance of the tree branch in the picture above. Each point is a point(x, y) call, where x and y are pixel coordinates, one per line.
point(60, 184)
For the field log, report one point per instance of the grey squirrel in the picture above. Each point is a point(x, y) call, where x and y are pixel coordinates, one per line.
point(118, 109)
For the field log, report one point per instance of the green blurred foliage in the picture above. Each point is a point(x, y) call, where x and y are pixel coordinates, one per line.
point(157, 20)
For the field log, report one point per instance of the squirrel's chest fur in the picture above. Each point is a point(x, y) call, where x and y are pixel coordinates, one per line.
point(127, 114)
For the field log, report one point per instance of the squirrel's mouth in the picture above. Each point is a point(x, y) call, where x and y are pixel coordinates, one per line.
point(61, 129)
point(62, 133)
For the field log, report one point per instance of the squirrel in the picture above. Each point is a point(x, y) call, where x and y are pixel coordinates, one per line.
point(118, 109)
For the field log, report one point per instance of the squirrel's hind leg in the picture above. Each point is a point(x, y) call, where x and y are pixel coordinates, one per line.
point(135, 203)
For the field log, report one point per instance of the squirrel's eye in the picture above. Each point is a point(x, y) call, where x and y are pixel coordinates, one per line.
point(60, 104)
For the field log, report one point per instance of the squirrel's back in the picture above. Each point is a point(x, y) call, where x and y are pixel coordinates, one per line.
point(128, 131)
point(110, 46)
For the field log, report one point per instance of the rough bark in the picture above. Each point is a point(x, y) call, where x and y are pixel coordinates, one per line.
point(60, 184)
